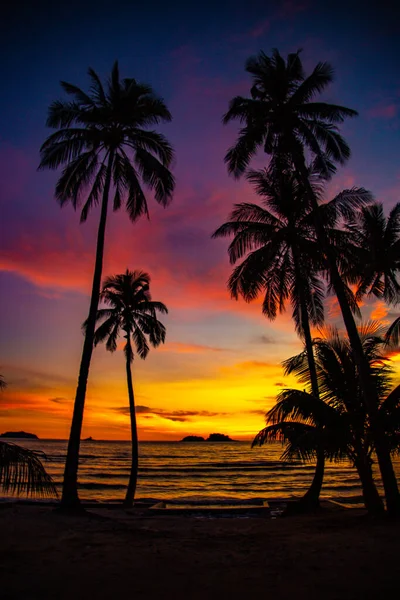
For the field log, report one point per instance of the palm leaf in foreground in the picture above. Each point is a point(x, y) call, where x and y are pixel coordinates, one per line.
point(22, 472)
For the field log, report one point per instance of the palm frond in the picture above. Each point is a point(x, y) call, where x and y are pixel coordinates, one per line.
point(314, 84)
point(22, 472)
point(3, 383)
point(392, 335)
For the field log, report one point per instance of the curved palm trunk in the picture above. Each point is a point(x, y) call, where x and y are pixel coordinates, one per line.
point(70, 499)
point(310, 499)
point(372, 500)
point(130, 492)
point(389, 481)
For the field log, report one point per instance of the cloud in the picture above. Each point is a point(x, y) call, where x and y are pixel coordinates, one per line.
point(255, 364)
point(182, 348)
point(171, 415)
point(258, 30)
point(383, 111)
point(286, 10)
point(280, 384)
point(59, 400)
point(263, 339)
point(379, 311)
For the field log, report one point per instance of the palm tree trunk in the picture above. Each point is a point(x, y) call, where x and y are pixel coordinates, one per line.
point(130, 492)
point(70, 499)
point(389, 481)
point(310, 499)
point(372, 500)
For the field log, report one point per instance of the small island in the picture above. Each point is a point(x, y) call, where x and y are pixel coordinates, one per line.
point(213, 437)
point(219, 437)
point(19, 435)
point(88, 439)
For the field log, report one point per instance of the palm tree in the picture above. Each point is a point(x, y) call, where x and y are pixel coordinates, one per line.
point(282, 117)
point(338, 419)
point(284, 260)
point(132, 311)
point(104, 141)
point(375, 252)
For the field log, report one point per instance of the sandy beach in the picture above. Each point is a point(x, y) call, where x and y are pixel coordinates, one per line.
point(336, 554)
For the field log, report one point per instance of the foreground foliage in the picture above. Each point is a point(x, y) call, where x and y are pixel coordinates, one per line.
point(338, 420)
point(22, 472)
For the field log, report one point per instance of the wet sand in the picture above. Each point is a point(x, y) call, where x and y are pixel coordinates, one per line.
point(335, 554)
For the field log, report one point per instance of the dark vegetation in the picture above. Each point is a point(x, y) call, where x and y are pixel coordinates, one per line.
point(213, 437)
point(19, 435)
point(358, 249)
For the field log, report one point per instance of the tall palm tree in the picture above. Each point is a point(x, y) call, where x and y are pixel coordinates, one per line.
point(283, 260)
point(338, 419)
point(105, 145)
point(131, 311)
point(282, 118)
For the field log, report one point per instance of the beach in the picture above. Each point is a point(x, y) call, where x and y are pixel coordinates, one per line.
point(334, 554)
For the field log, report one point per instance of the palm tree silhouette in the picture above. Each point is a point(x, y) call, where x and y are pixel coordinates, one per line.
point(282, 118)
point(375, 252)
point(104, 141)
point(284, 261)
point(132, 311)
point(338, 419)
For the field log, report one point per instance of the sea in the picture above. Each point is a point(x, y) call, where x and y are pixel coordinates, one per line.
point(196, 472)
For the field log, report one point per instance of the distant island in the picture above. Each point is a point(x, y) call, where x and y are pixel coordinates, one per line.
point(213, 437)
point(19, 434)
point(89, 439)
point(219, 437)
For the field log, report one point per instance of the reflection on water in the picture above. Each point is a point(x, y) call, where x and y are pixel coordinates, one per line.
point(194, 471)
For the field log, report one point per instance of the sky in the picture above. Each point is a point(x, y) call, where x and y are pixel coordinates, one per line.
point(220, 368)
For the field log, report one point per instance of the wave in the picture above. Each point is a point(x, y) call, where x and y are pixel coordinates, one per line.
point(169, 471)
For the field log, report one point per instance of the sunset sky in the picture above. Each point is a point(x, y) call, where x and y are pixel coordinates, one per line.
point(220, 367)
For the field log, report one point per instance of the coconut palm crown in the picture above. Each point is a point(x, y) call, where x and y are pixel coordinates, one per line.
point(105, 133)
point(282, 117)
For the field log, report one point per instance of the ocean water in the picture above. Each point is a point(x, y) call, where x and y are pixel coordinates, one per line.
point(182, 471)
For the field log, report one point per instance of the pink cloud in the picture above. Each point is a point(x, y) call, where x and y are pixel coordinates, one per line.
point(260, 29)
point(290, 8)
point(185, 58)
point(383, 111)
point(182, 348)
